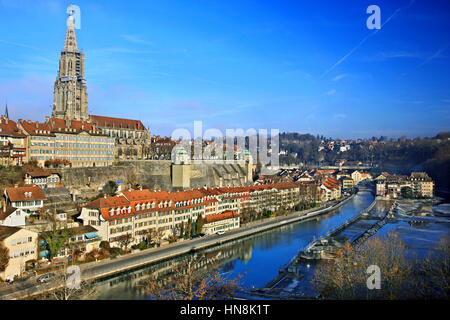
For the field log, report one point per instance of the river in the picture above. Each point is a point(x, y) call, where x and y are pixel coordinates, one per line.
point(259, 256)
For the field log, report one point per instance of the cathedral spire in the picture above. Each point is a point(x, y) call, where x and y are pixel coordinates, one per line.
point(71, 40)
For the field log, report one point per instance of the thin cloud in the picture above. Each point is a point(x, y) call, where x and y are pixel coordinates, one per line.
point(434, 56)
point(331, 92)
point(340, 116)
point(365, 39)
point(339, 77)
point(135, 39)
point(429, 59)
point(17, 44)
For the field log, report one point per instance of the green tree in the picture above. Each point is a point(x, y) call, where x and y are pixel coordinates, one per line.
point(110, 188)
point(200, 223)
point(407, 193)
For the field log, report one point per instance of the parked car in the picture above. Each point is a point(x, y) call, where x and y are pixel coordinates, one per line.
point(220, 233)
point(46, 277)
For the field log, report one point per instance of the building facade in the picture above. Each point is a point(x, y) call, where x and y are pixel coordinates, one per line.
point(142, 213)
point(22, 246)
point(79, 142)
point(12, 143)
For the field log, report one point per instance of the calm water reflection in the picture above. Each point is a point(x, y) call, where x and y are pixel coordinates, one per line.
point(259, 256)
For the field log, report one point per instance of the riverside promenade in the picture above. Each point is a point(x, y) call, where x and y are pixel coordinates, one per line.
point(109, 267)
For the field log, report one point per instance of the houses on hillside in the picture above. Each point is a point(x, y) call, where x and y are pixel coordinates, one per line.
point(418, 185)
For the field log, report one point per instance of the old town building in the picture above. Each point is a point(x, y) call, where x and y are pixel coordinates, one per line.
point(22, 247)
point(142, 213)
point(12, 143)
point(80, 143)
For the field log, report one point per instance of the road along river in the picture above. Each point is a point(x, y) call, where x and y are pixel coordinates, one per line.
point(259, 256)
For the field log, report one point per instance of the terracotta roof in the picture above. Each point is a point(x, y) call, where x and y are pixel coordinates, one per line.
point(228, 214)
point(9, 128)
point(36, 128)
point(18, 194)
point(75, 126)
point(117, 123)
point(146, 194)
point(6, 232)
point(108, 202)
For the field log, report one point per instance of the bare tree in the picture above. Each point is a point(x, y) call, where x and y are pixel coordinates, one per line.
point(4, 257)
point(402, 276)
point(125, 240)
point(189, 281)
point(66, 285)
point(434, 275)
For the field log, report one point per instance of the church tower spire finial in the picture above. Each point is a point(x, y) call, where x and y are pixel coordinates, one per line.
point(71, 39)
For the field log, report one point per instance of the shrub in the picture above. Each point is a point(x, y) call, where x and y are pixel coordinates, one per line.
point(105, 245)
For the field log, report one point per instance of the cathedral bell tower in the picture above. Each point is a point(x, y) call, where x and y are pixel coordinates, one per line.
point(70, 97)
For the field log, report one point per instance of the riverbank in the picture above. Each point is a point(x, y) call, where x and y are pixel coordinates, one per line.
point(111, 267)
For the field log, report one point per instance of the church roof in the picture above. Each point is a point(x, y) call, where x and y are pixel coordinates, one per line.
point(117, 123)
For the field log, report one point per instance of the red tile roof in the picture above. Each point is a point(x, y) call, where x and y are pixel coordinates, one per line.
point(228, 214)
point(9, 128)
point(72, 126)
point(18, 194)
point(36, 128)
point(117, 123)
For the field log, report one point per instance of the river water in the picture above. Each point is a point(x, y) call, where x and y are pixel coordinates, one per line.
point(259, 256)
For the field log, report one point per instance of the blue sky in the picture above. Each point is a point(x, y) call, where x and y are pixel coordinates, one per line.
point(305, 66)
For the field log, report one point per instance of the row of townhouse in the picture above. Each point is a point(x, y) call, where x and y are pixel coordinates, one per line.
point(142, 212)
point(391, 185)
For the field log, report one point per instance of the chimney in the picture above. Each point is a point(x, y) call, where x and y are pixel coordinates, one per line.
point(4, 206)
point(104, 196)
